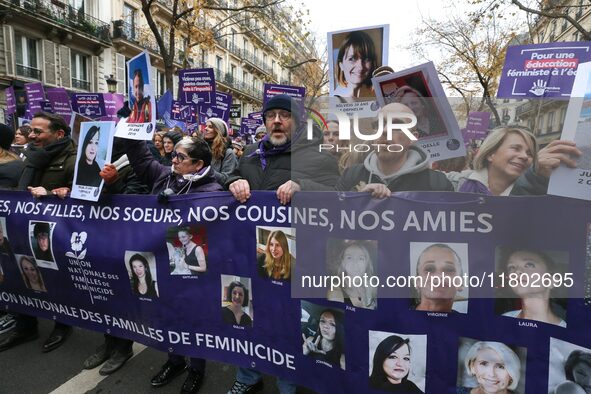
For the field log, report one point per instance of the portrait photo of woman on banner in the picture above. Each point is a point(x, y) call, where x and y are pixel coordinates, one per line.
point(524, 296)
point(237, 308)
point(354, 55)
point(187, 248)
point(141, 267)
point(569, 368)
point(323, 334)
point(40, 240)
point(439, 265)
point(276, 252)
point(353, 259)
point(31, 273)
point(397, 362)
point(490, 367)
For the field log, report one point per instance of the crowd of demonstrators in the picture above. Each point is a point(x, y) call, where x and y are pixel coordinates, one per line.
point(508, 163)
point(267, 165)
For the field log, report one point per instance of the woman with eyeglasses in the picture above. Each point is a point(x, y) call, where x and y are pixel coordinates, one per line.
point(190, 173)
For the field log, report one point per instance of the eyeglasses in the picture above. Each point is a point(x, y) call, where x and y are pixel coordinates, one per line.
point(38, 131)
point(179, 156)
point(283, 115)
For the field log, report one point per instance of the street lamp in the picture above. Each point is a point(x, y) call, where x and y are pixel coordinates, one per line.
point(292, 66)
point(111, 83)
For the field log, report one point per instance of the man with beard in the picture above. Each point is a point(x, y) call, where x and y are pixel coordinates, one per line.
point(286, 162)
point(49, 169)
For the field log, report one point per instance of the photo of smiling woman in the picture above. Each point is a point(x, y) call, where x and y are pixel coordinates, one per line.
point(237, 301)
point(524, 296)
point(275, 252)
point(31, 273)
point(355, 56)
point(487, 367)
point(397, 362)
point(141, 267)
point(187, 250)
point(569, 368)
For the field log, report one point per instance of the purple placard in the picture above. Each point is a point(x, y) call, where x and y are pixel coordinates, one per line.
point(60, 101)
point(249, 126)
point(35, 95)
point(197, 86)
point(542, 70)
point(46, 106)
point(477, 125)
point(91, 105)
point(221, 109)
point(258, 116)
point(184, 112)
point(113, 102)
point(10, 100)
point(271, 90)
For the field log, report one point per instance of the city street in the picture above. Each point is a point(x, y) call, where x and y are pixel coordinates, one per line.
point(25, 370)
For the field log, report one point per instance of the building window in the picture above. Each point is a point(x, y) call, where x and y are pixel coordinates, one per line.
point(550, 125)
point(79, 70)
point(562, 117)
point(26, 57)
point(129, 18)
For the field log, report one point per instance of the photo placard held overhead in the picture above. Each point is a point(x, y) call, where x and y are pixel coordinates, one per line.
point(419, 88)
point(141, 122)
point(354, 54)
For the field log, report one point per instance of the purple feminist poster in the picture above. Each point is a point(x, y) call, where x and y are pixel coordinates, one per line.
point(10, 100)
point(249, 126)
point(197, 86)
point(221, 109)
point(113, 102)
point(184, 112)
point(91, 105)
point(542, 70)
point(58, 97)
point(258, 116)
point(477, 125)
point(35, 95)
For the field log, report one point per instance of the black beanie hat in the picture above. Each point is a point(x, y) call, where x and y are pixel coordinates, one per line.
point(6, 136)
point(285, 102)
point(174, 136)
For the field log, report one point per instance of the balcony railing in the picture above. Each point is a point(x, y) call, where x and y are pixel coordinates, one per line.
point(129, 32)
point(64, 14)
point(80, 84)
point(122, 29)
point(28, 72)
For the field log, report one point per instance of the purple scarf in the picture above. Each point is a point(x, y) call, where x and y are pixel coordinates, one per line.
point(266, 149)
point(474, 186)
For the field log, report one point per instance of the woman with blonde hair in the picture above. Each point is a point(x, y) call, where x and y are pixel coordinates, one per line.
point(509, 163)
point(223, 160)
point(31, 274)
point(277, 262)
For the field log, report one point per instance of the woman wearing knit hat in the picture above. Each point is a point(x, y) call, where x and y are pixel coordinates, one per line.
point(223, 161)
point(11, 167)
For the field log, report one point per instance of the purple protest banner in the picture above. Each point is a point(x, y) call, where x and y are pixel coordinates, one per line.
point(477, 125)
point(542, 70)
point(221, 109)
point(249, 126)
point(197, 86)
point(35, 95)
point(113, 102)
point(46, 106)
point(184, 112)
point(271, 90)
point(10, 100)
point(91, 105)
point(60, 101)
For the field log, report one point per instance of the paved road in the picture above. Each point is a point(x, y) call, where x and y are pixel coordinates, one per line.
point(25, 370)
